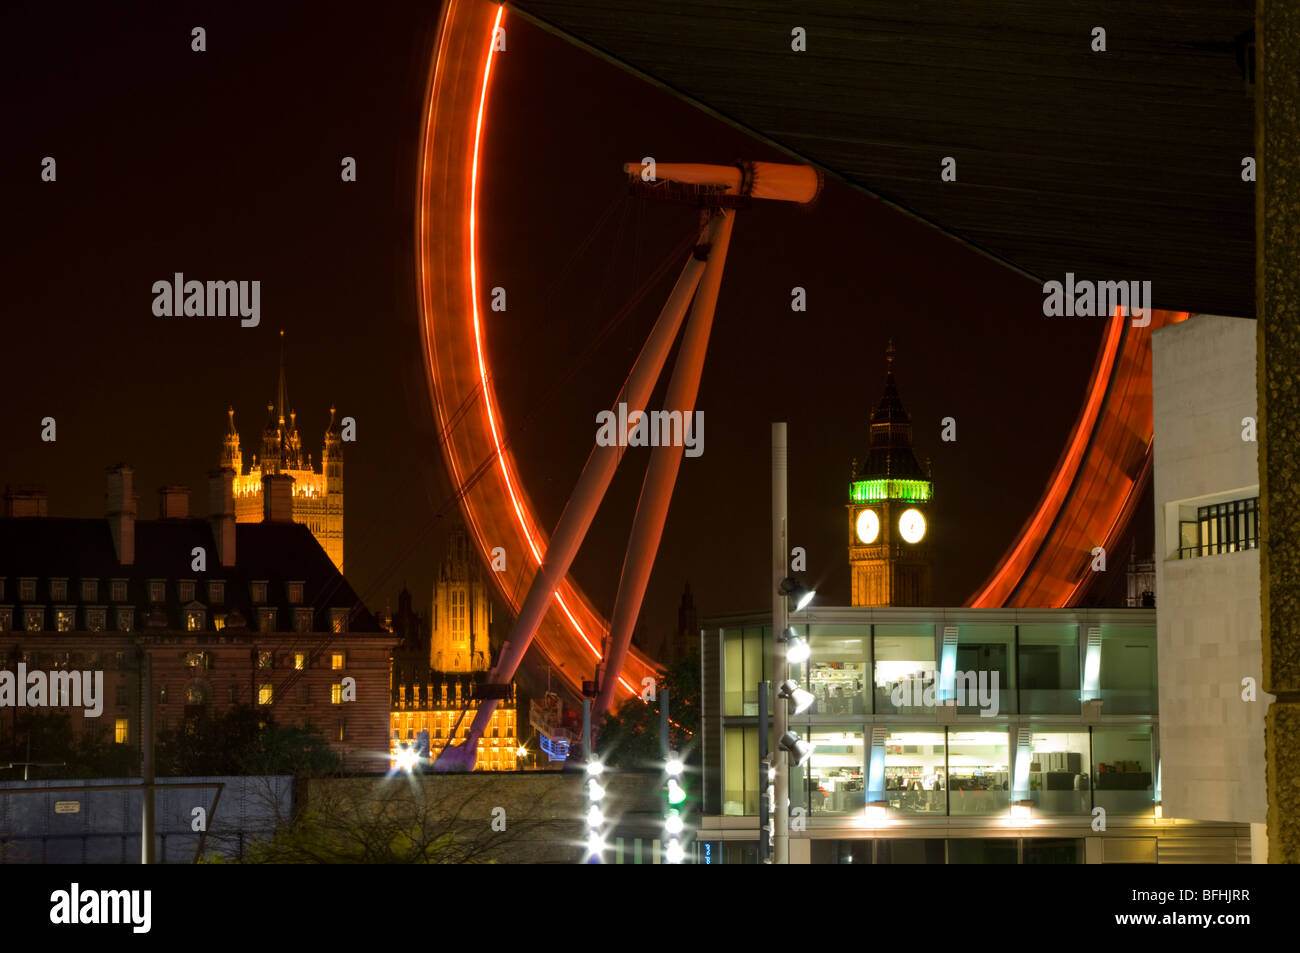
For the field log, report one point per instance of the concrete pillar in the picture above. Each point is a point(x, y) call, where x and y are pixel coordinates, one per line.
point(1277, 290)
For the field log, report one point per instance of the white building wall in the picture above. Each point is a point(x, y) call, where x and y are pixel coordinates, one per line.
point(1207, 608)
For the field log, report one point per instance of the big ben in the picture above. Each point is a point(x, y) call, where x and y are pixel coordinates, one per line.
point(889, 497)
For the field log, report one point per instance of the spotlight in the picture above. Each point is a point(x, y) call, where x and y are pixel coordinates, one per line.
point(799, 750)
point(797, 649)
point(406, 759)
point(594, 791)
point(800, 700)
point(674, 767)
point(793, 589)
point(673, 823)
point(594, 817)
point(594, 768)
point(674, 853)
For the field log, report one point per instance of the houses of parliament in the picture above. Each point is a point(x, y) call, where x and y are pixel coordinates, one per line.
point(317, 496)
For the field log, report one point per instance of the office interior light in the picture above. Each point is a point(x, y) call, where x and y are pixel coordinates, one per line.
point(793, 589)
point(800, 700)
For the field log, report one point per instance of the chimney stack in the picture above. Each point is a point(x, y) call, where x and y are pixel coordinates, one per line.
point(121, 511)
point(26, 501)
point(221, 510)
point(174, 502)
point(277, 498)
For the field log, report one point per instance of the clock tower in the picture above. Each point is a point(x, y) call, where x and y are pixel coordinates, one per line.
point(889, 517)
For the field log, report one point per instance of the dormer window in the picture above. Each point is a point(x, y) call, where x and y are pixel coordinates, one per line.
point(90, 590)
point(216, 592)
point(259, 592)
point(157, 590)
point(119, 590)
point(185, 590)
point(58, 590)
point(27, 590)
point(295, 593)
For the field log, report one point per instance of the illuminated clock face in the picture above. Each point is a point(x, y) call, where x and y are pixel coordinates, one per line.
point(912, 525)
point(868, 526)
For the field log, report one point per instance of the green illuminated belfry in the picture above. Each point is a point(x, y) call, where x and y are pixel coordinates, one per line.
point(889, 495)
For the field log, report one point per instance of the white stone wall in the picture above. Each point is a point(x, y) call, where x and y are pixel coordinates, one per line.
point(1207, 608)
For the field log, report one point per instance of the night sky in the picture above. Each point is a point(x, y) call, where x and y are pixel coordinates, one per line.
point(225, 165)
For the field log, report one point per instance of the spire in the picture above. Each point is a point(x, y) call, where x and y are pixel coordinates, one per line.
point(890, 446)
point(284, 388)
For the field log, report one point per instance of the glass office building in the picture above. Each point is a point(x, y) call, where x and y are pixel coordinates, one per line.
point(952, 736)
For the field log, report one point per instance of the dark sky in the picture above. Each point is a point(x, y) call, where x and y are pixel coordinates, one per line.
point(225, 165)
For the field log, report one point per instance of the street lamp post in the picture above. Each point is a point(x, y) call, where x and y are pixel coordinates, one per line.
point(780, 759)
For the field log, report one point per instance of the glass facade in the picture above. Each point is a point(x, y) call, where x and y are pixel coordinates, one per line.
point(975, 761)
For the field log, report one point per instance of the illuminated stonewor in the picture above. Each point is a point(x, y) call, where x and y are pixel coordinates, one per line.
point(317, 496)
point(889, 555)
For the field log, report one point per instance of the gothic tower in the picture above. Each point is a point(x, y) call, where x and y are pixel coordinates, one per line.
point(462, 611)
point(889, 495)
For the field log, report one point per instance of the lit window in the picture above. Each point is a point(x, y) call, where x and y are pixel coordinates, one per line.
point(119, 590)
point(89, 590)
point(58, 590)
point(266, 619)
point(6, 619)
point(194, 695)
point(302, 620)
point(216, 592)
point(264, 659)
point(33, 618)
point(336, 693)
point(336, 661)
point(120, 728)
point(194, 620)
point(185, 590)
point(64, 618)
point(195, 660)
point(298, 661)
point(264, 693)
point(343, 729)
point(219, 621)
point(125, 618)
point(339, 620)
point(295, 593)
point(259, 591)
point(27, 590)
point(96, 619)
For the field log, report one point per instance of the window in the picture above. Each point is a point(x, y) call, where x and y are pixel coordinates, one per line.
point(979, 777)
point(96, 619)
point(299, 661)
point(338, 620)
point(745, 657)
point(6, 619)
point(1128, 669)
point(58, 590)
point(120, 730)
point(302, 620)
point(118, 588)
point(194, 620)
point(157, 590)
point(1049, 669)
point(119, 696)
point(1058, 772)
point(836, 773)
point(234, 694)
point(837, 669)
point(33, 618)
point(1220, 528)
point(915, 769)
point(295, 593)
point(218, 621)
point(1122, 770)
point(162, 695)
point(459, 630)
point(259, 591)
point(89, 590)
point(264, 693)
point(343, 729)
point(306, 693)
point(185, 590)
point(216, 592)
point(194, 695)
point(196, 660)
point(336, 693)
point(125, 618)
point(336, 661)
point(905, 669)
point(27, 590)
point(65, 618)
point(265, 659)
point(266, 619)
